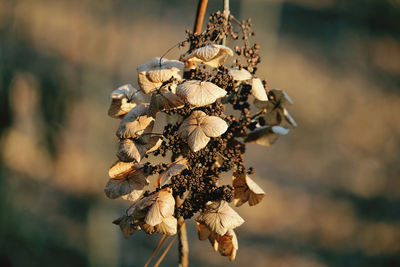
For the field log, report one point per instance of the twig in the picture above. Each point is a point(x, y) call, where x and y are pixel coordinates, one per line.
point(201, 10)
point(165, 252)
point(226, 14)
point(156, 249)
point(183, 240)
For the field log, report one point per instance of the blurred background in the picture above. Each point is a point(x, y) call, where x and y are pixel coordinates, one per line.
point(332, 184)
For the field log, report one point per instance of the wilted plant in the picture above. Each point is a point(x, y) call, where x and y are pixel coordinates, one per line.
point(206, 97)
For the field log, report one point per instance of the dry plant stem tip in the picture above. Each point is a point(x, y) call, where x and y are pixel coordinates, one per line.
point(226, 14)
point(201, 10)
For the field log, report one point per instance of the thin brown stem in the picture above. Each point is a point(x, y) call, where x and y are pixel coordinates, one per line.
point(226, 14)
point(183, 246)
point(201, 10)
point(157, 249)
point(165, 252)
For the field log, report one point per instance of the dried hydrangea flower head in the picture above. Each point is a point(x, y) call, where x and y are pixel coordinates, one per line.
point(201, 137)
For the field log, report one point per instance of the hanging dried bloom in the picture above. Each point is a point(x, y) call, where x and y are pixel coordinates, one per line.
point(135, 149)
point(200, 93)
point(135, 123)
point(127, 181)
point(219, 217)
point(275, 110)
point(198, 128)
point(203, 138)
point(124, 99)
point(246, 190)
point(151, 75)
point(213, 55)
point(155, 208)
point(228, 244)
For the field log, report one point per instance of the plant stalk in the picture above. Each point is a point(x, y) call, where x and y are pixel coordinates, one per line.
point(226, 14)
point(183, 246)
point(201, 10)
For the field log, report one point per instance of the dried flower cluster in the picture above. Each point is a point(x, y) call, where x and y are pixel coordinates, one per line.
point(206, 101)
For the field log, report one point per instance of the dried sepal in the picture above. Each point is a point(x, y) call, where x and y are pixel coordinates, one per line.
point(120, 169)
point(168, 226)
point(246, 190)
point(127, 224)
point(155, 208)
point(162, 208)
point(173, 169)
point(152, 74)
point(124, 99)
point(128, 185)
point(266, 135)
point(200, 93)
point(135, 123)
point(228, 244)
point(164, 100)
point(240, 74)
point(198, 128)
point(213, 55)
point(134, 149)
point(275, 113)
point(219, 217)
point(258, 90)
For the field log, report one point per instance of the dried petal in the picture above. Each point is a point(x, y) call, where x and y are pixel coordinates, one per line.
point(213, 126)
point(198, 128)
point(228, 244)
point(240, 74)
point(246, 190)
point(199, 93)
point(168, 226)
point(219, 217)
point(162, 208)
point(152, 74)
point(258, 90)
point(124, 99)
point(165, 100)
point(175, 168)
point(265, 135)
point(213, 55)
point(129, 187)
point(134, 149)
point(135, 123)
point(127, 224)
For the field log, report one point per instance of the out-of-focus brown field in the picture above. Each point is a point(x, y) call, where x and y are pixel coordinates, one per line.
point(332, 184)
